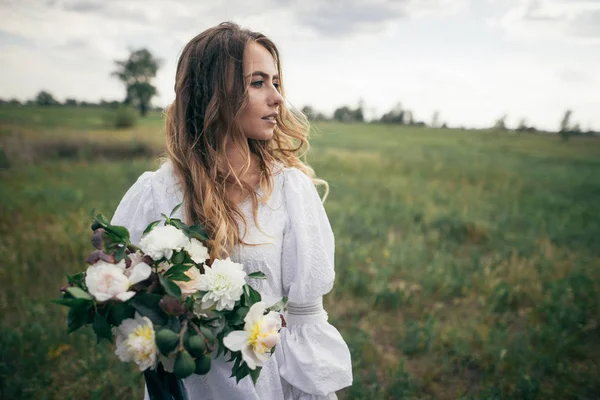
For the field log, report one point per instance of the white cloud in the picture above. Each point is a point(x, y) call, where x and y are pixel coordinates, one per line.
point(383, 51)
point(573, 20)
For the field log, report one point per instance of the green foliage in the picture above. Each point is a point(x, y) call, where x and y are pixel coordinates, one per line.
point(136, 73)
point(122, 117)
point(44, 98)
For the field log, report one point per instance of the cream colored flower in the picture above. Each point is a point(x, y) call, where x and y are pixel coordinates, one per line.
point(135, 341)
point(260, 334)
point(191, 286)
point(107, 281)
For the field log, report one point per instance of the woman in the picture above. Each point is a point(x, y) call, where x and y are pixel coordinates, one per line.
point(233, 161)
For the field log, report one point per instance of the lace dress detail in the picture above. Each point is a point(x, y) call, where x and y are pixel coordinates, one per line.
point(312, 361)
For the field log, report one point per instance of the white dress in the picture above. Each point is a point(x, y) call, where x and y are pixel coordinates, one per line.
point(312, 361)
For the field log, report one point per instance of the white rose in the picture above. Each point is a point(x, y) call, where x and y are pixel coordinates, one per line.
point(135, 341)
point(224, 282)
point(162, 241)
point(197, 251)
point(107, 281)
point(260, 334)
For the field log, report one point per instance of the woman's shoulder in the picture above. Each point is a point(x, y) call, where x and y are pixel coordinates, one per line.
point(295, 179)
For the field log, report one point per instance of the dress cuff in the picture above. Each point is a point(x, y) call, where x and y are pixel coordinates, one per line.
point(307, 313)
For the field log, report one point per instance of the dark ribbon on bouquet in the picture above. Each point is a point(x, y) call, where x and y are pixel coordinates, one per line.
point(163, 385)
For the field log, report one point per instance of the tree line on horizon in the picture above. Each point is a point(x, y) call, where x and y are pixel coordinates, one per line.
point(140, 68)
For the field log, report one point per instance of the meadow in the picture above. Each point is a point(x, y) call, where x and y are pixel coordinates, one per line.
point(467, 262)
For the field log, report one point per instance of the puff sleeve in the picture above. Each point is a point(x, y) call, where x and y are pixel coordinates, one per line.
point(314, 361)
point(137, 208)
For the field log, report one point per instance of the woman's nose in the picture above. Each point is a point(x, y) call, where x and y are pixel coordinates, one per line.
point(276, 98)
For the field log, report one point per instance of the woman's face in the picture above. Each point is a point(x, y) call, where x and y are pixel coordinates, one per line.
point(261, 77)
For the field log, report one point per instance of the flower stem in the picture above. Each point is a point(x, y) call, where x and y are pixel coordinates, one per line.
point(184, 328)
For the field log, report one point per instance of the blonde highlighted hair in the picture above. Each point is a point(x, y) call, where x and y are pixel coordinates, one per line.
point(205, 113)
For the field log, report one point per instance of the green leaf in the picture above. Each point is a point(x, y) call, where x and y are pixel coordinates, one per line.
point(120, 231)
point(175, 209)
point(69, 302)
point(180, 277)
point(255, 374)
point(251, 296)
point(147, 305)
point(177, 269)
point(119, 312)
point(257, 275)
point(77, 280)
point(279, 306)
point(120, 253)
point(178, 258)
point(238, 361)
point(79, 316)
point(102, 328)
point(177, 223)
point(150, 226)
point(101, 219)
point(170, 287)
point(242, 372)
point(79, 293)
point(198, 232)
point(208, 334)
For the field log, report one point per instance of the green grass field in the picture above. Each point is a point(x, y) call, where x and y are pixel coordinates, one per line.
point(467, 261)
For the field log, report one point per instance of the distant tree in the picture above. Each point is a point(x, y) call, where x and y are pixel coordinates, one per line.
point(44, 98)
point(14, 102)
point(347, 114)
point(309, 112)
point(137, 73)
point(394, 116)
point(444, 126)
point(565, 123)
point(2, 101)
point(312, 114)
point(565, 131)
point(343, 114)
point(500, 123)
point(359, 113)
point(70, 102)
point(435, 120)
point(408, 117)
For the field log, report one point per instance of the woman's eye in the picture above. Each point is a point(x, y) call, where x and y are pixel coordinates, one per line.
point(260, 83)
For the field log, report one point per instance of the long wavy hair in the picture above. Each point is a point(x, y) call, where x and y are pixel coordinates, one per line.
point(205, 113)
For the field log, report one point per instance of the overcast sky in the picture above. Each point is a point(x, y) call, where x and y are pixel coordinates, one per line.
point(471, 60)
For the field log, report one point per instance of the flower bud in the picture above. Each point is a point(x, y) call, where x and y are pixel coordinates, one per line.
point(98, 238)
point(171, 306)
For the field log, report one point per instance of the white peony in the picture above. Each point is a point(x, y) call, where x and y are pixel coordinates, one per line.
point(224, 282)
point(162, 241)
point(107, 281)
point(135, 341)
point(260, 334)
point(197, 251)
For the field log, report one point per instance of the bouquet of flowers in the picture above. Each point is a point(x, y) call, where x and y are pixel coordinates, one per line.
point(166, 308)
